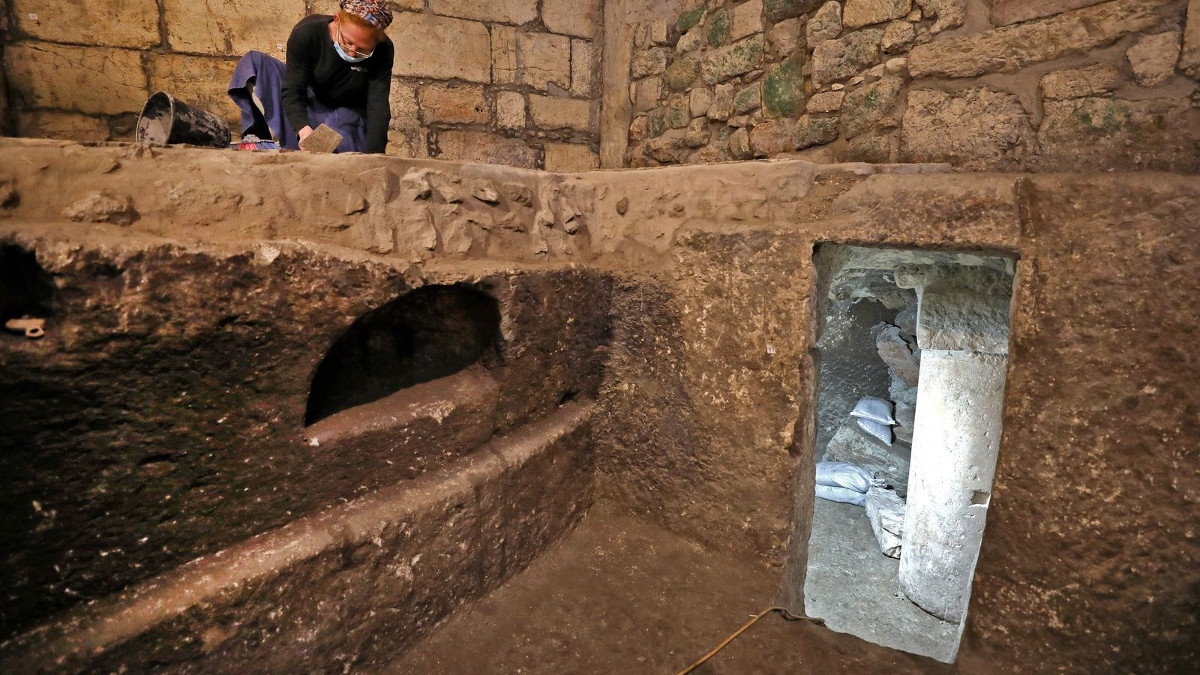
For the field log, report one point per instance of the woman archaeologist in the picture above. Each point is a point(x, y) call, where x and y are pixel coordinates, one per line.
point(338, 73)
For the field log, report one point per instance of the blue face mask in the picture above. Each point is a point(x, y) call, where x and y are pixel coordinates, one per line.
point(346, 57)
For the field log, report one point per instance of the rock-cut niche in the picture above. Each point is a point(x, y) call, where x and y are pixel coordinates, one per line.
point(26, 290)
point(427, 334)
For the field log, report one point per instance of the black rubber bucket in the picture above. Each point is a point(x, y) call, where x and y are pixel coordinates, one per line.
point(168, 121)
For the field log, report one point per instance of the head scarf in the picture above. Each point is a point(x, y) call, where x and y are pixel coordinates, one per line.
point(374, 12)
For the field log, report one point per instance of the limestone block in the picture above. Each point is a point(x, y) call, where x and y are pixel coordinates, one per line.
point(692, 14)
point(898, 354)
point(812, 131)
point(681, 73)
point(699, 99)
point(868, 104)
point(826, 24)
point(772, 138)
point(583, 67)
point(720, 30)
point(949, 13)
point(403, 101)
point(646, 93)
point(859, 13)
point(1106, 131)
point(872, 149)
point(1189, 60)
point(62, 125)
point(747, 19)
point(231, 27)
point(698, 133)
point(1153, 58)
point(1006, 12)
point(739, 144)
point(552, 112)
point(198, 81)
point(493, 11)
point(1079, 82)
point(510, 110)
point(736, 59)
point(778, 10)
point(898, 37)
point(89, 22)
point(423, 41)
point(826, 102)
point(844, 57)
point(784, 37)
point(581, 18)
point(412, 143)
point(668, 148)
point(460, 104)
point(678, 112)
point(962, 309)
point(1012, 48)
point(721, 107)
point(545, 59)
point(570, 157)
point(783, 88)
point(748, 99)
point(93, 80)
point(690, 41)
point(478, 146)
point(648, 62)
point(504, 55)
point(970, 128)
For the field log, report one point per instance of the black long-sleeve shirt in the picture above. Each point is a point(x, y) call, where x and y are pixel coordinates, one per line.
point(312, 61)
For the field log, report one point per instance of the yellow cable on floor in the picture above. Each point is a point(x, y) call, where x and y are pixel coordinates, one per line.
point(782, 612)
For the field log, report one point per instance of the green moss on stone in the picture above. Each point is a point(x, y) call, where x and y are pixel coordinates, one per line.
point(783, 88)
point(657, 123)
point(778, 10)
point(690, 17)
point(720, 30)
point(681, 73)
point(748, 99)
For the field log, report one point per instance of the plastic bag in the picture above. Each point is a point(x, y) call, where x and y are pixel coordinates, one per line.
point(885, 510)
point(881, 431)
point(841, 494)
point(843, 475)
point(874, 409)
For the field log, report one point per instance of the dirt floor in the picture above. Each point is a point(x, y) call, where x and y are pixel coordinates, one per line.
point(855, 589)
point(620, 595)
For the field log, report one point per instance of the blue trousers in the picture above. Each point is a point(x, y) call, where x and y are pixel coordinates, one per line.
point(266, 74)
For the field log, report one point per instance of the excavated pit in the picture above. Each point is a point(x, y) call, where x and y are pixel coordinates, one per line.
point(472, 418)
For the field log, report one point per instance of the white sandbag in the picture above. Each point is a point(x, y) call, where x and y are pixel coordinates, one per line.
point(841, 494)
point(843, 475)
point(881, 431)
point(885, 510)
point(874, 409)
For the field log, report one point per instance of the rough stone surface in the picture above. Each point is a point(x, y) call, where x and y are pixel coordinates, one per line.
point(898, 354)
point(720, 29)
point(1153, 58)
point(85, 79)
point(423, 40)
point(462, 104)
point(898, 37)
point(581, 18)
point(1005, 12)
point(570, 157)
point(545, 60)
point(51, 124)
point(646, 93)
point(699, 101)
point(736, 59)
point(554, 112)
point(747, 19)
point(844, 57)
point(681, 73)
point(868, 104)
point(826, 24)
point(721, 107)
point(859, 13)
point(479, 146)
point(505, 66)
point(778, 10)
point(499, 11)
point(650, 62)
point(949, 13)
point(1100, 132)
point(785, 37)
point(693, 13)
point(1189, 59)
point(812, 131)
point(510, 110)
point(583, 67)
point(1079, 82)
point(771, 138)
point(826, 102)
point(851, 444)
point(198, 81)
point(748, 99)
point(228, 27)
point(972, 128)
point(783, 88)
point(135, 25)
point(1012, 48)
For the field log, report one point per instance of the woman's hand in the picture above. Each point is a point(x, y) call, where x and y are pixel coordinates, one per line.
point(304, 133)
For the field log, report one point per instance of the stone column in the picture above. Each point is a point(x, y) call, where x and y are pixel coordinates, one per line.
point(962, 329)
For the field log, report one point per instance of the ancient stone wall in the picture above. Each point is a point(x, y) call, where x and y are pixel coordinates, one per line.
point(510, 82)
point(981, 84)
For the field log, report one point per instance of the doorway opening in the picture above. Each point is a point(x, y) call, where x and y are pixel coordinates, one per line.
point(913, 353)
